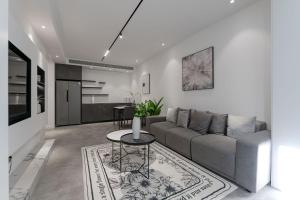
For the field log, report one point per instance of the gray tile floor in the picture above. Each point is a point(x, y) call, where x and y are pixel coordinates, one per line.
point(62, 176)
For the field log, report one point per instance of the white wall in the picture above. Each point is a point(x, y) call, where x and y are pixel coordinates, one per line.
point(50, 95)
point(286, 95)
point(24, 135)
point(3, 100)
point(242, 66)
point(118, 85)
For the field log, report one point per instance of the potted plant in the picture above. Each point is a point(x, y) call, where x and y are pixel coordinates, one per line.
point(139, 112)
point(154, 107)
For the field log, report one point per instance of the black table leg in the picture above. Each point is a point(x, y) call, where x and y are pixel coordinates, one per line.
point(112, 152)
point(114, 115)
point(120, 156)
point(148, 158)
point(119, 117)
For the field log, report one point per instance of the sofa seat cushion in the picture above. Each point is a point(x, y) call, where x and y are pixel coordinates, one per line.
point(179, 139)
point(159, 130)
point(216, 152)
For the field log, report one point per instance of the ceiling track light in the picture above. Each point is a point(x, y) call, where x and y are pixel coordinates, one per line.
point(120, 33)
point(106, 53)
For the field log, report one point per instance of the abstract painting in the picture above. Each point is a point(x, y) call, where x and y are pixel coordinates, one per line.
point(198, 70)
point(146, 83)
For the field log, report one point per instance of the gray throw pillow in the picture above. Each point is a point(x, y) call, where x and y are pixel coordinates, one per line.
point(218, 124)
point(172, 115)
point(200, 121)
point(183, 118)
point(239, 125)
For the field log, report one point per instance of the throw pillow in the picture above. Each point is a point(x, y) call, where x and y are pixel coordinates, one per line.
point(218, 124)
point(200, 121)
point(172, 115)
point(239, 125)
point(183, 118)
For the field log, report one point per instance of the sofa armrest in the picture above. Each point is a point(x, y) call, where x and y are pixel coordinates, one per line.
point(253, 160)
point(153, 119)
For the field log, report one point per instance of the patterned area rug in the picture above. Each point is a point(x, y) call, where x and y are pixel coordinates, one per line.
point(171, 175)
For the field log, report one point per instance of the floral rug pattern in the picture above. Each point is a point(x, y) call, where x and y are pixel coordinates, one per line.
point(171, 176)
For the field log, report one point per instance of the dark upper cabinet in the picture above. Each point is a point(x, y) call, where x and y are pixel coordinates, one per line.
point(68, 72)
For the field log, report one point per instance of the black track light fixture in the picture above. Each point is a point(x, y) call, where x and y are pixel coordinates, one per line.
point(120, 35)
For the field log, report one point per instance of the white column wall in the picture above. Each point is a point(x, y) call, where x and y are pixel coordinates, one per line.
point(286, 95)
point(4, 100)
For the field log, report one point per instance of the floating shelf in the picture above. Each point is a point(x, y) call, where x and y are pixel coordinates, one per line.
point(17, 83)
point(102, 82)
point(90, 81)
point(41, 88)
point(91, 87)
point(20, 76)
point(41, 83)
point(17, 93)
point(95, 94)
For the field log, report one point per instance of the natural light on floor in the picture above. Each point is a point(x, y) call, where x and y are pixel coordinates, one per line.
point(288, 170)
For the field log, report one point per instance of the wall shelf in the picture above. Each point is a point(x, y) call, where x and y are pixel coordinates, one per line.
point(90, 81)
point(102, 82)
point(17, 93)
point(91, 87)
point(20, 76)
point(95, 94)
point(41, 83)
point(17, 83)
point(40, 90)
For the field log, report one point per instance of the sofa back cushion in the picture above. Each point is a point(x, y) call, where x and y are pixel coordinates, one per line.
point(183, 118)
point(200, 121)
point(260, 126)
point(172, 115)
point(239, 125)
point(218, 124)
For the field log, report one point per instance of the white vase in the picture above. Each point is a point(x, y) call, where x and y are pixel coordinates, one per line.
point(136, 127)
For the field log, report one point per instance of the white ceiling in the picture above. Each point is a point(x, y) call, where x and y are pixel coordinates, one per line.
point(84, 29)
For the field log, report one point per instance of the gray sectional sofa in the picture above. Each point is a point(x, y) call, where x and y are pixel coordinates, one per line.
point(244, 159)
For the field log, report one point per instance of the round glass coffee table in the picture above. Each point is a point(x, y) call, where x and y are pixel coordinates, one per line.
point(145, 140)
point(115, 137)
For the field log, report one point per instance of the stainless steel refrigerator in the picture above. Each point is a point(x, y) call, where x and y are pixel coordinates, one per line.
point(68, 102)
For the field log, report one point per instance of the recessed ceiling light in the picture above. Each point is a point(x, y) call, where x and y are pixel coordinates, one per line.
point(232, 1)
point(136, 60)
point(127, 71)
point(163, 44)
point(121, 36)
point(43, 27)
point(30, 37)
point(56, 56)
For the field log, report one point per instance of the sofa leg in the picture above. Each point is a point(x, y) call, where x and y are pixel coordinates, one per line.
point(248, 191)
